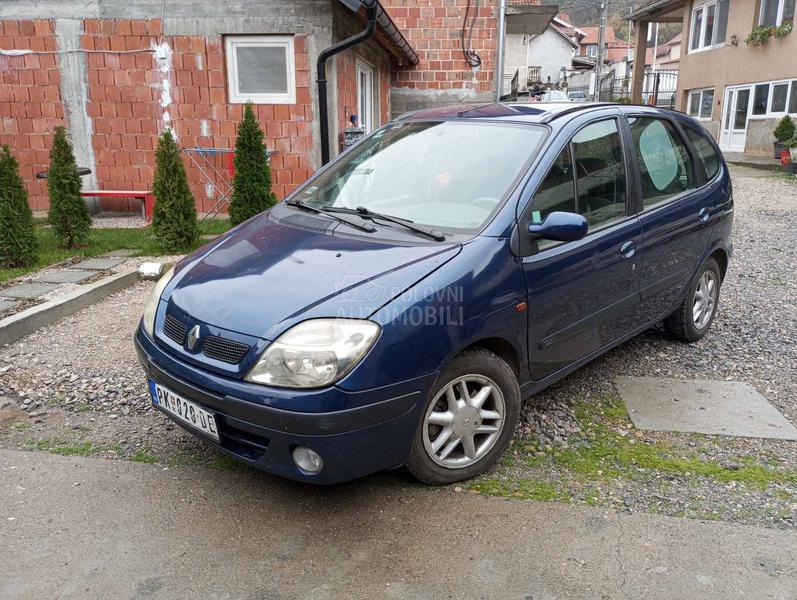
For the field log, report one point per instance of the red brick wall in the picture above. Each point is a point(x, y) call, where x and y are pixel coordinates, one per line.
point(124, 96)
point(30, 100)
point(432, 27)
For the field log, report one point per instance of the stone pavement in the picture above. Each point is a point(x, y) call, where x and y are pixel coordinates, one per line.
point(49, 279)
point(90, 528)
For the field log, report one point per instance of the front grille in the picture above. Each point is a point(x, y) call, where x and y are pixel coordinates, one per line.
point(223, 349)
point(174, 330)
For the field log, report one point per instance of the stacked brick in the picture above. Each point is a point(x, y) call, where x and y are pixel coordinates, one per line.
point(433, 29)
point(126, 109)
point(30, 100)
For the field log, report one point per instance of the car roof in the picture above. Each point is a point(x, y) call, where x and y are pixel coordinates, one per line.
point(530, 112)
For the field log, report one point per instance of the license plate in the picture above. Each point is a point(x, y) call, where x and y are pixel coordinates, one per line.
point(186, 411)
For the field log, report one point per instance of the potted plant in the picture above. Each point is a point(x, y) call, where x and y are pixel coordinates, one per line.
point(784, 131)
point(792, 146)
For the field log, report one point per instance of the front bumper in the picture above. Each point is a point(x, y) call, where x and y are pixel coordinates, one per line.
point(376, 433)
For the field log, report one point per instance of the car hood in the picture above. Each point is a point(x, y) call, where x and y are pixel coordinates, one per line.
point(264, 277)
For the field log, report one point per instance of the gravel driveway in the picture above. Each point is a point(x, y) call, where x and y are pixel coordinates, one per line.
point(81, 385)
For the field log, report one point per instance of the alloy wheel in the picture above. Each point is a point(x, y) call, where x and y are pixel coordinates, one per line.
point(705, 299)
point(464, 421)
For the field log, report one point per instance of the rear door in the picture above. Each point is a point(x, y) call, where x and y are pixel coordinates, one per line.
point(582, 295)
point(675, 212)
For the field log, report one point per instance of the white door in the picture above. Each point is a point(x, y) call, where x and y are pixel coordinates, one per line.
point(365, 97)
point(734, 119)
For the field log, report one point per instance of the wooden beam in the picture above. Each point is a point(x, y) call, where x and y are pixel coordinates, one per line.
point(640, 51)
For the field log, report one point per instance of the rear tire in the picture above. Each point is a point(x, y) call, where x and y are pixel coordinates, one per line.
point(468, 419)
point(693, 318)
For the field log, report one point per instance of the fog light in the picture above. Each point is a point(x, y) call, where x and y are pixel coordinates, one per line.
point(307, 460)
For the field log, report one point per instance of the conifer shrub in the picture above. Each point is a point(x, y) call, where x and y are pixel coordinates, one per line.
point(18, 244)
point(174, 214)
point(785, 129)
point(251, 193)
point(68, 214)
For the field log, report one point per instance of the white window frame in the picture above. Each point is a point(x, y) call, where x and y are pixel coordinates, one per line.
point(770, 114)
point(592, 50)
point(271, 41)
point(778, 19)
point(700, 93)
point(703, 5)
point(369, 121)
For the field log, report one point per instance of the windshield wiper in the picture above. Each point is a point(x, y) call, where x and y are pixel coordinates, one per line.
point(325, 211)
point(365, 212)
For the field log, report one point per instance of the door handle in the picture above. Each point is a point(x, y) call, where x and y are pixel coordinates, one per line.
point(704, 214)
point(628, 249)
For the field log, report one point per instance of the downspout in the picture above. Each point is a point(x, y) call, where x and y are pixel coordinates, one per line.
point(499, 63)
point(321, 78)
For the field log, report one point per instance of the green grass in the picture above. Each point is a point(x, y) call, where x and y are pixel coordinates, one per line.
point(64, 449)
point(611, 450)
point(143, 456)
point(609, 455)
point(102, 241)
point(786, 176)
point(523, 489)
point(59, 446)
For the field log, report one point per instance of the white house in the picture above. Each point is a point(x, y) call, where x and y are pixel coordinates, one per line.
point(545, 57)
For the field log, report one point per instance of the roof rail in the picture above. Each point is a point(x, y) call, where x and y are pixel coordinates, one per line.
point(579, 106)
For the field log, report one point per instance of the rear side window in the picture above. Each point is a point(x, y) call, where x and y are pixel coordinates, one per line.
point(664, 165)
point(705, 150)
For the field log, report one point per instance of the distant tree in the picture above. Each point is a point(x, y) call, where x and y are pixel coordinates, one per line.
point(68, 214)
point(18, 245)
point(174, 215)
point(251, 187)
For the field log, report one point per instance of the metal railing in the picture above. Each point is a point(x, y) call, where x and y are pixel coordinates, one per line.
point(534, 75)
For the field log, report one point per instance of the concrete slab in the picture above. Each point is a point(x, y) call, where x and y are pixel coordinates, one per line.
point(98, 264)
point(122, 253)
point(66, 275)
point(7, 304)
point(702, 406)
point(117, 526)
point(27, 291)
point(21, 324)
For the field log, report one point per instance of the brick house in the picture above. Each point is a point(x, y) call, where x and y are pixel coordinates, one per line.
point(118, 73)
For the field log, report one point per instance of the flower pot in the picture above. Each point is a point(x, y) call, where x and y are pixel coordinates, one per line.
point(778, 148)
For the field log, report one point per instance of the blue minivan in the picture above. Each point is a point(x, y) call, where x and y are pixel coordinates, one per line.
point(398, 307)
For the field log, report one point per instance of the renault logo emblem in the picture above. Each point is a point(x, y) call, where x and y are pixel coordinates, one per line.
point(193, 337)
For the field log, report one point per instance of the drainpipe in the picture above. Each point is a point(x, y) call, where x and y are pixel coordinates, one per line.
point(321, 78)
point(499, 66)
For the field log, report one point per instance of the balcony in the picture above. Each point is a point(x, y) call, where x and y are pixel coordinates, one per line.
point(534, 75)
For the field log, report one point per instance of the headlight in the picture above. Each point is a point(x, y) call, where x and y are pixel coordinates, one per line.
point(151, 308)
point(315, 353)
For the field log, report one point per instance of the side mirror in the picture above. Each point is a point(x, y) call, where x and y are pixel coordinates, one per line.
point(561, 227)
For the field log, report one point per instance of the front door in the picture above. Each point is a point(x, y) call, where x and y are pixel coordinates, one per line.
point(734, 119)
point(583, 295)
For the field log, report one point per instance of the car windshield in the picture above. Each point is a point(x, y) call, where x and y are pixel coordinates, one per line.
point(451, 175)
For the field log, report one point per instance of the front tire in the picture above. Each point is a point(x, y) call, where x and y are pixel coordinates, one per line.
point(468, 419)
point(694, 317)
